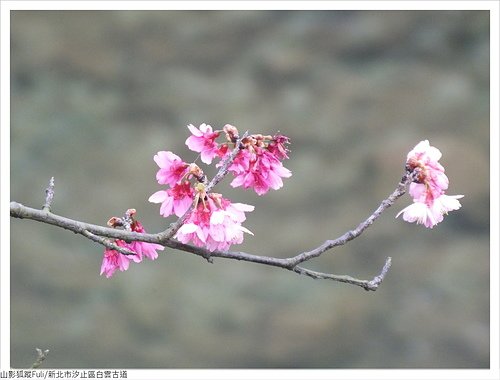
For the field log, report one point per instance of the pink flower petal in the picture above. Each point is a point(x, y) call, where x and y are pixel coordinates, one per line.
point(158, 197)
point(195, 131)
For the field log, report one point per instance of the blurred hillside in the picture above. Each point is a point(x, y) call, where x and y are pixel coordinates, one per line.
point(94, 95)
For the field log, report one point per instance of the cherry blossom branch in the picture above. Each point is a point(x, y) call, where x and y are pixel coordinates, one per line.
point(98, 234)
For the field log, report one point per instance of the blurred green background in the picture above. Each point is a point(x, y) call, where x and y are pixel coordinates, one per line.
point(94, 95)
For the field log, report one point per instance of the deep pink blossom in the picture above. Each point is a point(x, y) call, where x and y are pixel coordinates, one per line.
point(202, 140)
point(143, 248)
point(175, 200)
point(114, 260)
point(241, 162)
point(172, 168)
point(258, 165)
point(277, 146)
point(261, 171)
point(430, 203)
point(215, 222)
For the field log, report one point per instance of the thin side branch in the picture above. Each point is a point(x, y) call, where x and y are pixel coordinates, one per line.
point(107, 243)
point(41, 356)
point(99, 233)
point(49, 195)
point(367, 285)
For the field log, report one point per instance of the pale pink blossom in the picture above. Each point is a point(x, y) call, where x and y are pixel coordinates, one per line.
point(420, 213)
point(175, 200)
point(431, 214)
point(193, 232)
point(428, 189)
point(225, 227)
point(172, 168)
point(197, 225)
point(426, 153)
point(202, 140)
point(445, 203)
point(215, 226)
point(423, 161)
point(237, 210)
point(424, 193)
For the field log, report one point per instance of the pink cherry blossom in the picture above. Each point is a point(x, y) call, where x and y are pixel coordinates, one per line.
point(203, 141)
point(225, 227)
point(258, 164)
point(261, 171)
point(215, 226)
point(175, 200)
point(172, 168)
point(420, 213)
point(430, 215)
point(143, 248)
point(277, 146)
point(430, 203)
point(114, 260)
point(241, 162)
point(423, 161)
point(445, 203)
point(426, 153)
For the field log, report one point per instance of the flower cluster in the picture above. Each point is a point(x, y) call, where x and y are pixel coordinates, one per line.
point(430, 203)
point(258, 164)
point(114, 260)
point(214, 222)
